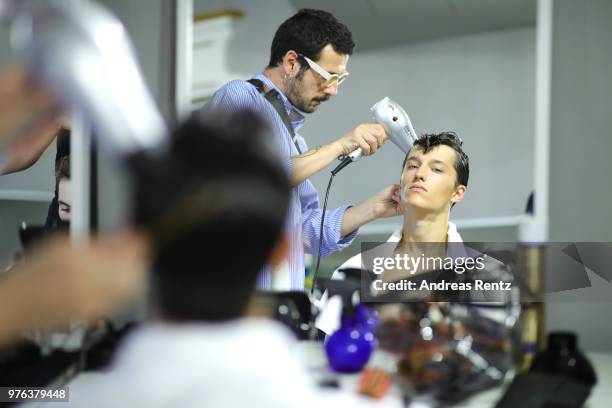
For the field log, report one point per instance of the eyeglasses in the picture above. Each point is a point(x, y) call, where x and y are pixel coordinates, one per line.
point(330, 79)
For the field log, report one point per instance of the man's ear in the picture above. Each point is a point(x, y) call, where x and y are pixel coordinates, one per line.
point(291, 65)
point(279, 252)
point(458, 194)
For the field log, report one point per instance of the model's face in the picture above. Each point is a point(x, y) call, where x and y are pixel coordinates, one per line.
point(310, 90)
point(429, 181)
point(64, 199)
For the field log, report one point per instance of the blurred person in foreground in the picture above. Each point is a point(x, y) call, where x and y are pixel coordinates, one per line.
point(61, 282)
point(214, 222)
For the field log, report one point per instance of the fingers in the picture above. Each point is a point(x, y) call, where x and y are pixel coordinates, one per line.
point(27, 148)
point(380, 133)
point(370, 137)
point(364, 145)
point(390, 192)
point(118, 265)
point(367, 136)
point(126, 245)
point(395, 193)
point(396, 198)
point(130, 267)
point(12, 80)
point(368, 145)
point(67, 282)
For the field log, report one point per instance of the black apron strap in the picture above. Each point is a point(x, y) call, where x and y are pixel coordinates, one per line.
point(273, 97)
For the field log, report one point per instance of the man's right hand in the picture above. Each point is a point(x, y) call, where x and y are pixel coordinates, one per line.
point(367, 136)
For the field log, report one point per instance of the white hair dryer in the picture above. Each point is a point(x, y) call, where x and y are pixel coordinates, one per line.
point(397, 124)
point(84, 53)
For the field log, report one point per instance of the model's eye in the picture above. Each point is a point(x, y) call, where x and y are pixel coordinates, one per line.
point(438, 170)
point(413, 166)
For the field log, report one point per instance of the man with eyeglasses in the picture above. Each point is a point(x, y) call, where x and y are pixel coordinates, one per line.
point(309, 55)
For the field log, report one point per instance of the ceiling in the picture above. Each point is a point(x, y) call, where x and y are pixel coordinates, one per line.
point(379, 23)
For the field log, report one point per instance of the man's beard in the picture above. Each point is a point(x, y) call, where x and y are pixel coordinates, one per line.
point(292, 92)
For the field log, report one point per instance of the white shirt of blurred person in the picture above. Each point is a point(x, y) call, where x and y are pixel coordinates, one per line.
point(434, 178)
point(206, 349)
point(64, 196)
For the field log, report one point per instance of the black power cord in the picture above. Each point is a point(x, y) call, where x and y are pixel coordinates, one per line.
point(345, 162)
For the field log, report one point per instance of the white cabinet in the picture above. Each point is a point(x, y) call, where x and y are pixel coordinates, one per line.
point(212, 34)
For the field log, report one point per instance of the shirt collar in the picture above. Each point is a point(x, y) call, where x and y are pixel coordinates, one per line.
point(297, 119)
point(453, 234)
point(455, 250)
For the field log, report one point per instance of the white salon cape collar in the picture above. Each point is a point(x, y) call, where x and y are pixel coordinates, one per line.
point(331, 309)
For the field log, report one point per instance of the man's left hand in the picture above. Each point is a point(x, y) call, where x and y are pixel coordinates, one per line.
point(387, 203)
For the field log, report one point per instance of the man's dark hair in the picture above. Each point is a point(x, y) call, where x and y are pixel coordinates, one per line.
point(462, 162)
point(308, 32)
point(214, 205)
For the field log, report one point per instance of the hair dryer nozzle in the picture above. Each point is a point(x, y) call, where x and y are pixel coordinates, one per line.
point(396, 122)
point(85, 54)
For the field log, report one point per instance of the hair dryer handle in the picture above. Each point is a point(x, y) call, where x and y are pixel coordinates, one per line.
point(356, 155)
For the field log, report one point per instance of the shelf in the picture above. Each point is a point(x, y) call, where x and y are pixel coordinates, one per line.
point(25, 195)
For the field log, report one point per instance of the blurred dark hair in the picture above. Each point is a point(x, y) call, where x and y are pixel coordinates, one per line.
point(62, 145)
point(214, 205)
point(307, 32)
point(462, 162)
point(62, 168)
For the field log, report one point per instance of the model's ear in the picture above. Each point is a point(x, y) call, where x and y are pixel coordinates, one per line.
point(291, 65)
point(458, 194)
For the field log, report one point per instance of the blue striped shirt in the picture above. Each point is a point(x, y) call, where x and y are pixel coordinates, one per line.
point(304, 214)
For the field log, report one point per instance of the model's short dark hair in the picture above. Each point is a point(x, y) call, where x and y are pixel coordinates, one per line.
point(62, 168)
point(462, 162)
point(308, 32)
point(214, 205)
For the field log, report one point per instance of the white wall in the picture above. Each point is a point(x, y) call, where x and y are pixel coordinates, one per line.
point(150, 24)
point(250, 46)
point(580, 149)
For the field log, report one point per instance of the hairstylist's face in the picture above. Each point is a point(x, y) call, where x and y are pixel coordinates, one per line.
point(429, 180)
point(309, 89)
